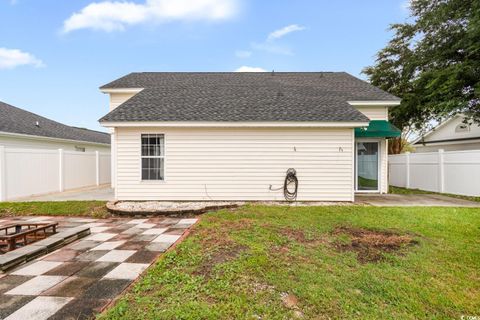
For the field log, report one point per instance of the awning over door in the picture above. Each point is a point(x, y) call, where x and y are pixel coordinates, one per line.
point(378, 129)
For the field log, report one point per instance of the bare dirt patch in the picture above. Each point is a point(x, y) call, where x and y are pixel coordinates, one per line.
point(296, 235)
point(370, 245)
point(221, 255)
point(306, 237)
point(217, 244)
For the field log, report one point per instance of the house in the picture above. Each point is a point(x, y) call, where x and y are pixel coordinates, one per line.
point(451, 135)
point(234, 136)
point(22, 129)
point(40, 156)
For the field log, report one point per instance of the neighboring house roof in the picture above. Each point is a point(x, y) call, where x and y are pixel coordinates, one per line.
point(230, 96)
point(18, 121)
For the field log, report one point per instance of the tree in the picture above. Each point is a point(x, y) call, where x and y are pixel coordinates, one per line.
point(433, 64)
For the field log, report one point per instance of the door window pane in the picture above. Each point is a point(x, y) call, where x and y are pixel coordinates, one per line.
point(367, 165)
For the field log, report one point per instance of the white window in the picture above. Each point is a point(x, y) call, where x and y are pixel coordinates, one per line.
point(153, 156)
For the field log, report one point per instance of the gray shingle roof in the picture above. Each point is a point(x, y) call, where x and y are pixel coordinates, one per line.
point(279, 96)
point(16, 120)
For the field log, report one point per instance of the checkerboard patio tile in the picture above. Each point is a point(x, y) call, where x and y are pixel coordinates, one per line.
point(36, 285)
point(81, 278)
point(110, 245)
point(39, 308)
point(167, 238)
point(128, 271)
point(116, 255)
point(37, 268)
point(155, 231)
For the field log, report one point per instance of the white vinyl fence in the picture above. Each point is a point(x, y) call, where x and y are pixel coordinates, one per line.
point(26, 172)
point(456, 172)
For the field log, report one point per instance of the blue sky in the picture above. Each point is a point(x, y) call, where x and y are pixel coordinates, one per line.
point(55, 54)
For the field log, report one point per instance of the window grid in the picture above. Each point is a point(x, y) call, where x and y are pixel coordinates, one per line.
point(153, 156)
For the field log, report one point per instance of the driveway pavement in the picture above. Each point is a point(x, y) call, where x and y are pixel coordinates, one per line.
point(78, 280)
point(103, 193)
point(412, 200)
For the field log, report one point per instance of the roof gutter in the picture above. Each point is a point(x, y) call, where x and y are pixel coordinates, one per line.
point(373, 103)
point(225, 124)
point(121, 90)
point(451, 141)
point(41, 138)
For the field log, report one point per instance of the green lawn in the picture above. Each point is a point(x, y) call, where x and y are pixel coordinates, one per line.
point(373, 184)
point(94, 209)
point(340, 262)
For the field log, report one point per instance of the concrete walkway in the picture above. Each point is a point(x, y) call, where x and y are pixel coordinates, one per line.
point(412, 200)
point(103, 193)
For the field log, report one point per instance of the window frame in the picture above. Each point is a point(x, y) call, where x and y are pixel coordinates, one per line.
point(164, 157)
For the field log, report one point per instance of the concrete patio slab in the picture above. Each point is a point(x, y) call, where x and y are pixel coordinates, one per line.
point(413, 200)
point(103, 193)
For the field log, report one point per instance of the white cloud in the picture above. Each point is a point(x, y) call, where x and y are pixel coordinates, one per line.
point(250, 69)
point(272, 46)
point(243, 54)
point(284, 31)
point(11, 58)
point(115, 15)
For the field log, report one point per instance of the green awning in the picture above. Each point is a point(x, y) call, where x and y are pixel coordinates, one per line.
point(378, 129)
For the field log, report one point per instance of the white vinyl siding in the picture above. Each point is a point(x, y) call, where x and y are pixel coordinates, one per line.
point(239, 163)
point(118, 98)
point(374, 113)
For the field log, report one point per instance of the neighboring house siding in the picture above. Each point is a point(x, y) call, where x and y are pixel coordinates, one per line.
point(24, 142)
point(239, 164)
point(118, 98)
point(448, 131)
point(374, 113)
